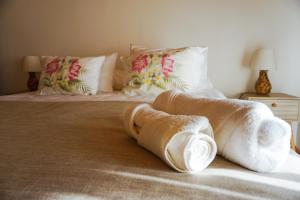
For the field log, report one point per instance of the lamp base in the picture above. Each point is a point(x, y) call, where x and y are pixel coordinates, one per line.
point(32, 82)
point(263, 85)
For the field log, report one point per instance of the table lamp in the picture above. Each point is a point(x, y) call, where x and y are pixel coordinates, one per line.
point(263, 61)
point(32, 64)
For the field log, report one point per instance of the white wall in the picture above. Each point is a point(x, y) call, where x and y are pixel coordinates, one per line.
point(232, 29)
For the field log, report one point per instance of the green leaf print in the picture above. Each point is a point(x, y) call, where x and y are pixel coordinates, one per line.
point(80, 85)
point(47, 82)
point(176, 82)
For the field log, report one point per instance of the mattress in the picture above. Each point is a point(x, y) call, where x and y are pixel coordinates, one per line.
point(76, 148)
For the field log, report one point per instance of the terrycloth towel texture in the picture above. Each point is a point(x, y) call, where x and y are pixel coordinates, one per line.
point(184, 142)
point(246, 132)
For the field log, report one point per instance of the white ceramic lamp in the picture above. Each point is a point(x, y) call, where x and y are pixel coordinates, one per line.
point(32, 64)
point(263, 61)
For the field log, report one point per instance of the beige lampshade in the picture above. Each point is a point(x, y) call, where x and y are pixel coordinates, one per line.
point(32, 64)
point(263, 59)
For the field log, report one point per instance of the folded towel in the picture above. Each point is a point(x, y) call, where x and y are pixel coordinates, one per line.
point(184, 142)
point(246, 132)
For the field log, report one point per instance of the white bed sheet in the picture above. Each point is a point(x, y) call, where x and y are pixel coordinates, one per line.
point(107, 96)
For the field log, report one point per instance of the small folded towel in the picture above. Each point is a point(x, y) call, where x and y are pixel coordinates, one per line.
point(246, 132)
point(184, 142)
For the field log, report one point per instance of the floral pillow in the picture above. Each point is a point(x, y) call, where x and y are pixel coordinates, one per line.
point(154, 71)
point(70, 75)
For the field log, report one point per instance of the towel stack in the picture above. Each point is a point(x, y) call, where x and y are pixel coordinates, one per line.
point(184, 142)
point(245, 132)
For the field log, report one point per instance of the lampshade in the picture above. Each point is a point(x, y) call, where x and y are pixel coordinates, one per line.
point(264, 59)
point(32, 64)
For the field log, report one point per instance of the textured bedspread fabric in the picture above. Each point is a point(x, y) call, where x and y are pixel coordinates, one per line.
point(105, 96)
point(78, 150)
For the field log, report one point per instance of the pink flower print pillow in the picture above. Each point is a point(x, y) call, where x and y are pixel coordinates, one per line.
point(154, 71)
point(74, 69)
point(140, 63)
point(70, 75)
point(53, 66)
point(167, 63)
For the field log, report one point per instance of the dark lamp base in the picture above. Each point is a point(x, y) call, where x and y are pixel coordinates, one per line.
point(32, 82)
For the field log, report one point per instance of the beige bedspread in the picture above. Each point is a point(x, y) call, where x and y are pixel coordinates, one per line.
point(78, 150)
point(106, 96)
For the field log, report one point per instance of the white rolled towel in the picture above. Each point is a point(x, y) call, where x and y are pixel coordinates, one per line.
point(246, 132)
point(184, 142)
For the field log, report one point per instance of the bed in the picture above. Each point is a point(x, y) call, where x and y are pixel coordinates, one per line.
point(76, 148)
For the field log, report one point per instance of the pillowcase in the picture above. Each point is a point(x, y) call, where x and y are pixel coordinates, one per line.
point(70, 75)
point(154, 71)
point(204, 52)
point(107, 74)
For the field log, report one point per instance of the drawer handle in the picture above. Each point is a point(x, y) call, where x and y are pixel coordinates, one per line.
point(274, 105)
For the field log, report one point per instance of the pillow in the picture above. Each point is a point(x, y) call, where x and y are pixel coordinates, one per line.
point(120, 77)
point(154, 71)
point(70, 75)
point(138, 48)
point(107, 74)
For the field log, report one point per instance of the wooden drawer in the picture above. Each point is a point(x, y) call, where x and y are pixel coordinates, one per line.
point(284, 109)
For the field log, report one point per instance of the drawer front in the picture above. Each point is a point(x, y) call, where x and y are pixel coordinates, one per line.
point(284, 109)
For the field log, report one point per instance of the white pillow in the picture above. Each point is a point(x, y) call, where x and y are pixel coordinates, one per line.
point(106, 78)
point(70, 75)
point(204, 81)
point(154, 71)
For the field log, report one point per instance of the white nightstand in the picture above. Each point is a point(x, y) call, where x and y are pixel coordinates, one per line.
point(284, 106)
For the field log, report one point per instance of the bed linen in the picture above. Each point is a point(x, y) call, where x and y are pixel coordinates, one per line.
point(67, 149)
point(104, 96)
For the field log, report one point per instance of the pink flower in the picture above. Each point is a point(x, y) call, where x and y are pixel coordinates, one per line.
point(52, 66)
point(167, 63)
point(140, 63)
point(74, 69)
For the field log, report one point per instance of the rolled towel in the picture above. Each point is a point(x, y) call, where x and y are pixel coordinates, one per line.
point(184, 142)
point(246, 132)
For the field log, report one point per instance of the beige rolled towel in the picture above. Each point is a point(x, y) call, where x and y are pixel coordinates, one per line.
point(184, 142)
point(246, 132)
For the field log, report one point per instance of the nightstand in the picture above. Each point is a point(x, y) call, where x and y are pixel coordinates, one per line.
point(284, 106)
